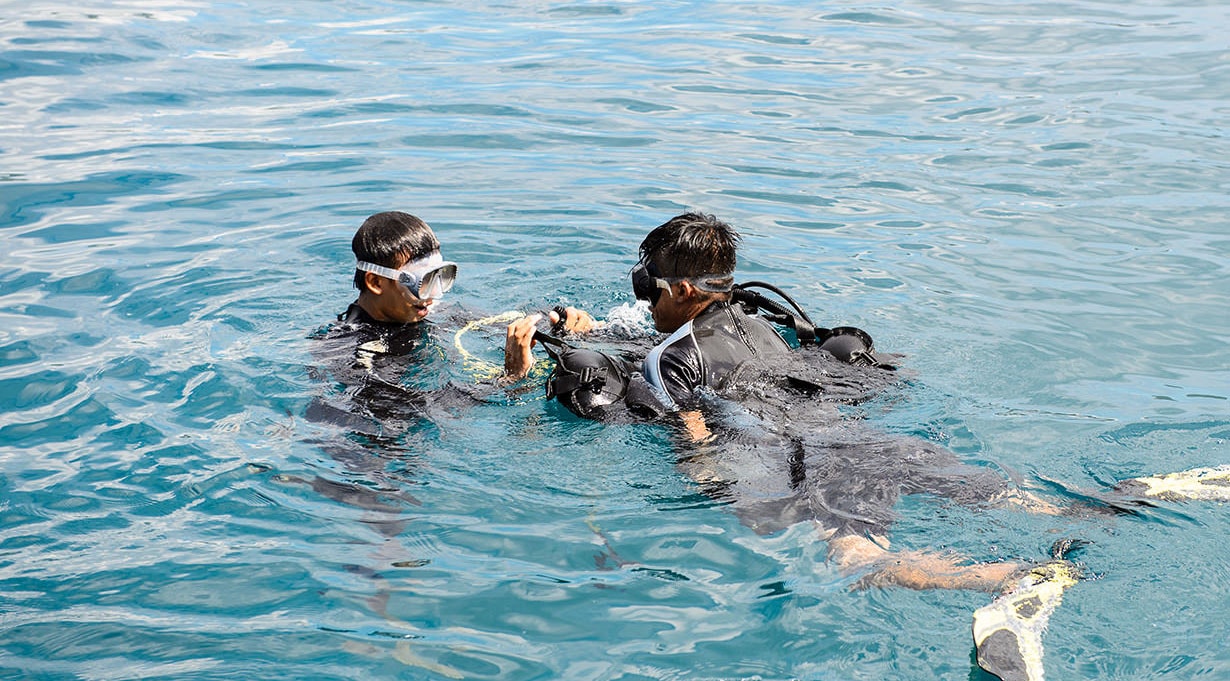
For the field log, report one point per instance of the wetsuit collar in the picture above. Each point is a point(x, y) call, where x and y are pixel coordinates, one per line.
point(713, 307)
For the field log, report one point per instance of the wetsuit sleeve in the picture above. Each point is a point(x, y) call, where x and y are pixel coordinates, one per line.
point(680, 375)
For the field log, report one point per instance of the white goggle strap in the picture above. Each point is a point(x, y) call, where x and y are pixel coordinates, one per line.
point(428, 266)
point(383, 271)
point(424, 264)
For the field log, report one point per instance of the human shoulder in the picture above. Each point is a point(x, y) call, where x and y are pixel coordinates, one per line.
point(355, 315)
point(764, 335)
point(674, 366)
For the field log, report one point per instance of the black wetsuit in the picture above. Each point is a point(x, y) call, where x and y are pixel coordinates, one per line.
point(376, 363)
point(706, 351)
point(381, 346)
point(784, 450)
point(377, 394)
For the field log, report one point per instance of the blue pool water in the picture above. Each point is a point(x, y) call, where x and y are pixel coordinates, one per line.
point(1028, 200)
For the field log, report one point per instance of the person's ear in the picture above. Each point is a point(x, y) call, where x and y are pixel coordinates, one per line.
point(686, 291)
point(375, 282)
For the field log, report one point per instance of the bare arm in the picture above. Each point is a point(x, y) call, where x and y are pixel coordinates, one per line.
point(694, 424)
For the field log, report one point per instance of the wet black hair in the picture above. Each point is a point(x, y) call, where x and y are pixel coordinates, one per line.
point(391, 239)
point(691, 245)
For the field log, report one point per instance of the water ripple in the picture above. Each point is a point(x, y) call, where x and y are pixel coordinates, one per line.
point(1026, 199)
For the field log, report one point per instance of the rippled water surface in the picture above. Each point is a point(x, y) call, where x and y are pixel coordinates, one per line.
point(1028, 200)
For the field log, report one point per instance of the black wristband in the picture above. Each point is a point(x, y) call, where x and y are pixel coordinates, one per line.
point(558, 328)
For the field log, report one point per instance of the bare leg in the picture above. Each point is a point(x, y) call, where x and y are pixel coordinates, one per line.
point(915, 569)
point(1028, 501)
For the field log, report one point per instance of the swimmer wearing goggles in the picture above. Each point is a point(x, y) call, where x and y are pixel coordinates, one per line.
point(407, 294)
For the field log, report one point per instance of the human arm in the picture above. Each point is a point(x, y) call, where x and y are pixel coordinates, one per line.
point(694, 425)
point(674, 370)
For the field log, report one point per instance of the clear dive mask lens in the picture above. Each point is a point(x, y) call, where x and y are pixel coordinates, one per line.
point(434, 283)
point(427, 278)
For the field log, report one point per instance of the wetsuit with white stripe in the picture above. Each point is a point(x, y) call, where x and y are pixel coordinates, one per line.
point(706, 350)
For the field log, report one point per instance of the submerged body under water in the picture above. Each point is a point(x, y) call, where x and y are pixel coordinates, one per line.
point(788, 446)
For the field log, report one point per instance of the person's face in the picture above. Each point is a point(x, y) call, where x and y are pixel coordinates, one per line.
point(665, 298)
point(396, 302)
point(403, 306)
point(672, 309)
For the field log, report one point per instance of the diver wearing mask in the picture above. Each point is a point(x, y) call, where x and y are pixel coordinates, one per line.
point(399, 270)
point(400, 273)
point(845, 479)
point(685, 273)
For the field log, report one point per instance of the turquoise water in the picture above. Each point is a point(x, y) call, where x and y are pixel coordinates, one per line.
point(1026, 199)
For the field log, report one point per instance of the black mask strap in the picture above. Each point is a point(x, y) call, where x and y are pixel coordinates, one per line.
point(550, 343)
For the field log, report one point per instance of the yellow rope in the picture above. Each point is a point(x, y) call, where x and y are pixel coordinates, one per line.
point(477, 367)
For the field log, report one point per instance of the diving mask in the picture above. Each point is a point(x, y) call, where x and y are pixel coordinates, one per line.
point(648, 282)
point(427, 278)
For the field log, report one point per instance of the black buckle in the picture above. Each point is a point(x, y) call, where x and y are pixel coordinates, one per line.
point(593, 378)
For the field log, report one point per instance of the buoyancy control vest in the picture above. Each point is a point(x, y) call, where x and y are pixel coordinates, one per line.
point(592, 384)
